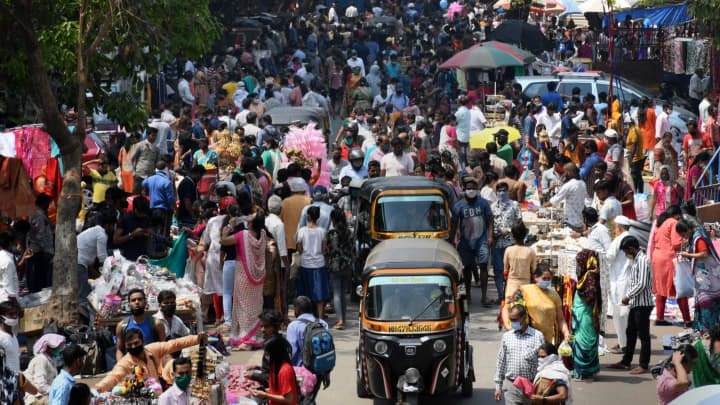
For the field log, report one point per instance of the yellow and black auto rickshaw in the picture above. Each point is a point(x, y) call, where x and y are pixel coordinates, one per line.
point(413, 322)
point(404, 207)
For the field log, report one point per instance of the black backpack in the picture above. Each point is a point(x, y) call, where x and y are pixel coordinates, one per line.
point(318, 354)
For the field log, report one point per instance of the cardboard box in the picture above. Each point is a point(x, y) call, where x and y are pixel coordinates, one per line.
point(33, 319)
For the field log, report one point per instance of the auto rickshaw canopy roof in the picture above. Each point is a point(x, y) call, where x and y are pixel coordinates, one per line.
point(411, 253)
point(372, 187)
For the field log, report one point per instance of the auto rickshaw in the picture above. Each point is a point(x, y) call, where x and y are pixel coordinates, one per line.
point(404, 207)
point(413, 323)
point(400, 207)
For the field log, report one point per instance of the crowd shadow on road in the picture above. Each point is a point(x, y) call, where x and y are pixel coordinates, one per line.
point(480, 395)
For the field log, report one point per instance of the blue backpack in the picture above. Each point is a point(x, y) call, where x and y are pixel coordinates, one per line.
point(318, 354)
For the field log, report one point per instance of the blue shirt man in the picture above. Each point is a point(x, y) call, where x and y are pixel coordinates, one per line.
point(62, 384)
point(553, 97)
point(160, 189)
point(590, 148)
point(296, 328)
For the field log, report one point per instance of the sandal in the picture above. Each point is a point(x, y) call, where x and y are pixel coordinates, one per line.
point(638, 370)
point(618, 366)
point(339, 326)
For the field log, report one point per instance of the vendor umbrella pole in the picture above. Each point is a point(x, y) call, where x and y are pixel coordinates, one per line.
point(611, 56)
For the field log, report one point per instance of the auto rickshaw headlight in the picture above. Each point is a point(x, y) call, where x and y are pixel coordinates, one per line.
point(439, 345)
point(412, 375)
point(381, 347)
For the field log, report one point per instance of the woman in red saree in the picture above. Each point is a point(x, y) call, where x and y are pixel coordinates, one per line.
point(251, 246)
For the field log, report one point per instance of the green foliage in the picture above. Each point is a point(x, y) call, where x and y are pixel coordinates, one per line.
point(120, 39)
point(706, 13)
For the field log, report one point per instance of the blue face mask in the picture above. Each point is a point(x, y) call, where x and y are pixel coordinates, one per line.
point(516, 325)
point(545, 284)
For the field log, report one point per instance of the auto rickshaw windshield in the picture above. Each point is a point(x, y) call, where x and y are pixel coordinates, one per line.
point(410, 213)
point(405, 298)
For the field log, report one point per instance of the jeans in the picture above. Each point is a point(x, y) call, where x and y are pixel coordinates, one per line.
point(498, 270)
point(638, 326)
point(636, 169)
point(339, 282)
point(83, 285)
point(228, 286)
point(474, 254)
point(463, 149)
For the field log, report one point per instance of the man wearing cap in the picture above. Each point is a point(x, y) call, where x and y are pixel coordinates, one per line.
point(320, 199)
point(614, 155)
point(292, 207)
point(473, 218)
point(618, 278)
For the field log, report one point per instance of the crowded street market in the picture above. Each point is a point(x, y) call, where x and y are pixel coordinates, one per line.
point(437, 200)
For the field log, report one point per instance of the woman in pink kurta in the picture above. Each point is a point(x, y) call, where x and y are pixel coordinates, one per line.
point(665, 247)
point(251, 245)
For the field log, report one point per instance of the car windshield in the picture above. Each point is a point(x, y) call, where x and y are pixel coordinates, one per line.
point(410, 213)
point(404, 298)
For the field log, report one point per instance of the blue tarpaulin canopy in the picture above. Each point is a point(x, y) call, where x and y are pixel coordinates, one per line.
point(660, 16)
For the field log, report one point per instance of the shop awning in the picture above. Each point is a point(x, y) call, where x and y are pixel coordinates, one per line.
point(659, 16)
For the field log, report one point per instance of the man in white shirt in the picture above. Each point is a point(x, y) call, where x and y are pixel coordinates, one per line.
point(9, 287)
point(351, 11)
point(397, 163)
point(615, 152)
point(164, 135)
point(572, 194)
point(333, 15)
point(662, 123)
point(552, 121)
point(552, 178)
point(174, 326)
point(698, 85)
point(619, 275)
point(184, 89)
point(703, 109)
point(355, 62)
point(462, 115)
point(477, 118)
point(92, 248)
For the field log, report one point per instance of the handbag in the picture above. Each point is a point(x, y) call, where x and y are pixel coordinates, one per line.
point(294, 266)
point(683, 278)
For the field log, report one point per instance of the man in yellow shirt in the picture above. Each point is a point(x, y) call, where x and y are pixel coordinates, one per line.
point(103, 178)
point(634, 145)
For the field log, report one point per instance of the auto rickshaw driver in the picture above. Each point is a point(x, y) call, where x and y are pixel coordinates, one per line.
point(404, 306)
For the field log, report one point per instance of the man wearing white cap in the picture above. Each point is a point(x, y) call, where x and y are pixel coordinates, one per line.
point(619, 275)
point(614, 155)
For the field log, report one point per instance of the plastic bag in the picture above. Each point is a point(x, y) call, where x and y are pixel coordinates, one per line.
point(683, 279)
point(642, 207)
point(565, 350)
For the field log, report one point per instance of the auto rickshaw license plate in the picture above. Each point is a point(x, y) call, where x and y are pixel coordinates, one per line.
point(409, 328)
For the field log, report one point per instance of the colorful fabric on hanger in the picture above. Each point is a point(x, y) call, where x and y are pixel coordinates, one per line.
point(32, 146)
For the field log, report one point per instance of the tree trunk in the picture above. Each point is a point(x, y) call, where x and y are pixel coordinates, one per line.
point(63, 303)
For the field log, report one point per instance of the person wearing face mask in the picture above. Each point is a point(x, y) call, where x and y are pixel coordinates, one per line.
point(397, 163)
point(506, 213)
point(666, 192)
point(695, 142)
point(152, 331)
point(382, 148)
point(73, 357)
point(350, 140)
point(473, 218)
point(178, 394)
point(174, 326)
point(572, 195)
point(149, 357)
point(43, 367)
point(618, 281)
point(9, 316)
point(552, 381)
point(544, 306)
point(552, 178)
point(517, 356)
point(356, 169)
point(335, 165)
point(639, 297)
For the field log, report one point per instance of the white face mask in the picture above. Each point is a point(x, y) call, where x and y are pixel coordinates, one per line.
point(10, 321)
point(471, 194)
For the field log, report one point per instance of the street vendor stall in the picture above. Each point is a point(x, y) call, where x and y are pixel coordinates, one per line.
point(119, 275)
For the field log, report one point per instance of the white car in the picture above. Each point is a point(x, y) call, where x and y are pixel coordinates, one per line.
point(596, 83)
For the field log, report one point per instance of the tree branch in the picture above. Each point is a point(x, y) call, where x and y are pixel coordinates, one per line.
point(102, 33)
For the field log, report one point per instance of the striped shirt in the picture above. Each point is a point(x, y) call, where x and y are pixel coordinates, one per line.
point(640, 287)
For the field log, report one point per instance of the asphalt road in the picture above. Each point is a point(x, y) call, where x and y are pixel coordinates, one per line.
point(610, 387)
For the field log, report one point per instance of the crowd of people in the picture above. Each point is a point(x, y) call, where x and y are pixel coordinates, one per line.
point(211, 163)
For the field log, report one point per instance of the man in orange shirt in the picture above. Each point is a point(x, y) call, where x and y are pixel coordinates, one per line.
point(647, 127)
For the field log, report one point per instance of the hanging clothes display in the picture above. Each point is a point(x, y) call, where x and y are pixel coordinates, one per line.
point(32, 146)
point(684, 55)
point(16, 195)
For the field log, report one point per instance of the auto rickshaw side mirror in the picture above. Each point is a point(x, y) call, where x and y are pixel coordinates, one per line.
point(359, 291)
